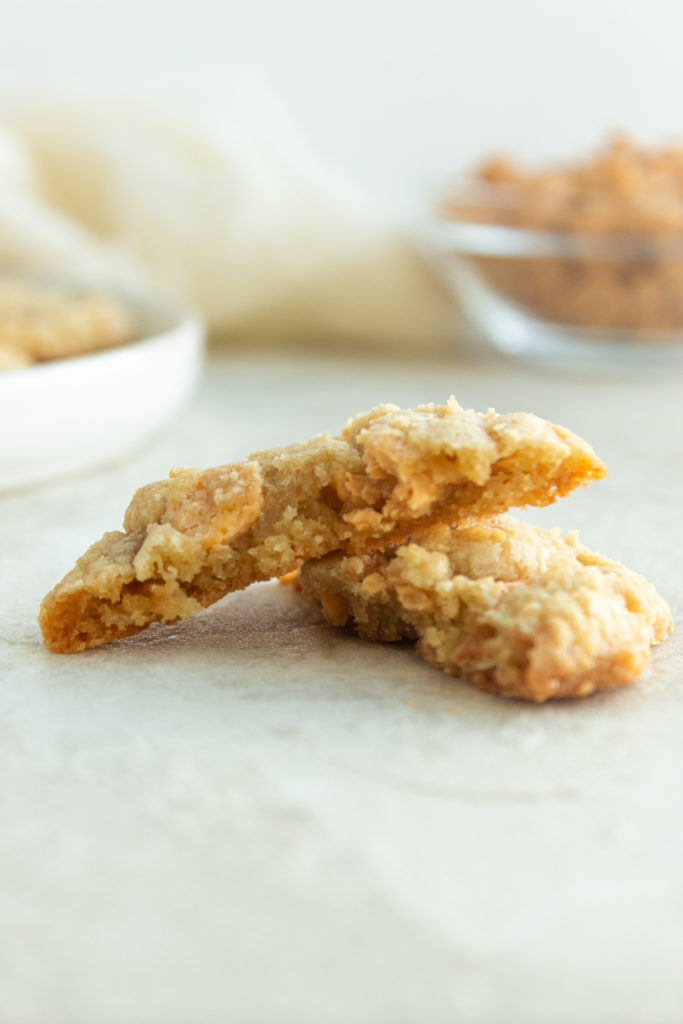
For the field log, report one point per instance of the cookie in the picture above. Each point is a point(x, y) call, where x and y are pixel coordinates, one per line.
point(202, 533)
point(11, 357)
point(38, 323)
point(511, 608)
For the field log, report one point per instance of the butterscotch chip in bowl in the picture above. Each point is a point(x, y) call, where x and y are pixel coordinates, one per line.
point(580, 262)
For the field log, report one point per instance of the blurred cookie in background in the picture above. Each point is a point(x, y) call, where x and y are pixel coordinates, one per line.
point(40, 323)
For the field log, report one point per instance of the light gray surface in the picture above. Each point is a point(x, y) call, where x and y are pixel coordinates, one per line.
point(254, 818)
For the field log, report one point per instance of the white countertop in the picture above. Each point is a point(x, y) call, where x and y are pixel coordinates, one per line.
point(252, 818)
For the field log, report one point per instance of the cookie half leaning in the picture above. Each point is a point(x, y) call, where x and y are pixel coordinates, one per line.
point(202, 533)
point(509, 607)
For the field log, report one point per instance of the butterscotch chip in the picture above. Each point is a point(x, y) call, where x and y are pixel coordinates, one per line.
point(508, 607)
point(202, 533)
point(617, 218)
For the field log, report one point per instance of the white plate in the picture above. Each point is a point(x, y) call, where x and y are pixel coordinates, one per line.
point(66, 416)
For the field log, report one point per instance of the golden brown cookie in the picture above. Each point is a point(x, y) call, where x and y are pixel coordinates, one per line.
point(202, 533)
point(39, 323)
point(511, 608)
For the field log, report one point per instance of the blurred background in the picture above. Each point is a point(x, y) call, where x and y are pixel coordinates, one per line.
point(274, 167)
point(391, 92)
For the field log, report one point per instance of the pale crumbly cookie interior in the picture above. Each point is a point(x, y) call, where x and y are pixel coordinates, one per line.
point(202, 533)
point(511, 608)
point(39, 323)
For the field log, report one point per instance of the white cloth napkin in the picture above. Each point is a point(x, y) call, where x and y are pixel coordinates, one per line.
point(219, 202)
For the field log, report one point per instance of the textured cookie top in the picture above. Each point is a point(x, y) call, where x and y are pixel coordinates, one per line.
point(202, 533)
point(510, 607)
point(427, 450)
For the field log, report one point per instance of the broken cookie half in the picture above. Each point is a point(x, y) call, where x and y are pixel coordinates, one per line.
point(511, 608)
point(202, 533)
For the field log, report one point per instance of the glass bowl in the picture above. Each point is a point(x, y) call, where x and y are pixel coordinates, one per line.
point(544, 290)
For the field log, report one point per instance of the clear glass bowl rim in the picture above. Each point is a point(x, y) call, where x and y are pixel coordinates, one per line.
point(452, 231)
